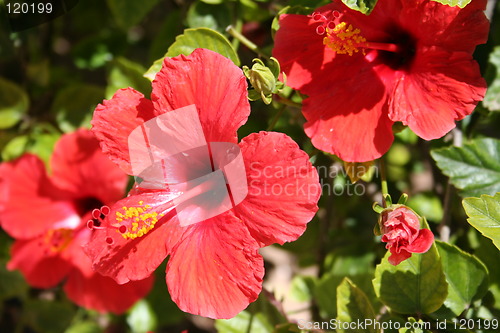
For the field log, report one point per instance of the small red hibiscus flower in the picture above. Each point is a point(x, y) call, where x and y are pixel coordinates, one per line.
point(409, 61)
point(48, 217)
point(212, 238)
point(400, 228)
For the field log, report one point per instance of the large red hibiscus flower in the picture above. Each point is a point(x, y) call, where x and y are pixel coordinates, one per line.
point(48, 217)
point(214, 269)
point(409, 61)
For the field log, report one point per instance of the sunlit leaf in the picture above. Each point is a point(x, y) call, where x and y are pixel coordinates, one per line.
point(356, 170)
point(244, 322)
point(193, 39)
point(484, 215)
point(363, 6)
point(492, 97)
point(428, 205)
point(84, 327)
point(416, 285)
point(353, 306)
point(14, 103)
point(467, 279)
point(141, 318)
point(473, 168)
point(459, 3)
point(125, 73)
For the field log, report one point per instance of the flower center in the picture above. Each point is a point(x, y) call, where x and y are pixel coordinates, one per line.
point(58, 239)
point(139, 220)
point(344, 38)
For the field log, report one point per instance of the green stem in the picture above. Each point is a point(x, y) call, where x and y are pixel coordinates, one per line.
point(245, 41)
point(287, 101)
point(383, 181)
point(276, 118)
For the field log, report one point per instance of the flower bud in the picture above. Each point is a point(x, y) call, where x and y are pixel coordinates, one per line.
point(400, 228)
point(263, 79)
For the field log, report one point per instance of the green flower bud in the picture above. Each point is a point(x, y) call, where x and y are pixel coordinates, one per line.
point(263, 79)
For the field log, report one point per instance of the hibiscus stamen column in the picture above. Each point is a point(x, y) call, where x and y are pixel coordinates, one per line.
point(343, 38)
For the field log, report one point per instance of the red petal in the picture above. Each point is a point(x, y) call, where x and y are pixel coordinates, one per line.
point(215, 271)
point(283, 188)
point(396, 258)
point(115, 119)
point(134, 259)
point(422, 243)
point(41, 267)
point(440, 89)
point(79, 166)
point(299, 49)
point(31, 203)
point(103, 294)
point(355, 129)
point(210, 81)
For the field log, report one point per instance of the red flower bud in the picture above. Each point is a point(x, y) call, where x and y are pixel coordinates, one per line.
point(401, 231)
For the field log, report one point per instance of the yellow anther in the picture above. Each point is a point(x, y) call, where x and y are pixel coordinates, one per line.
point(344, 39)
point(140, 221)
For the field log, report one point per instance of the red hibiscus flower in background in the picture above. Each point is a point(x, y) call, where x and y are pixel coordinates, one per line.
point(214, 269)
point(400, 228)
point(47, 215)
point(408, 61)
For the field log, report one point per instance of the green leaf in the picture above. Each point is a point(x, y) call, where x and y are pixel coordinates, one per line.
point(416, 285)
point(124, 74)
point(467, 279)
point(74, 105)
point(128, 13)
point(473, 168)
point(459, 3)
point(193, 39)
point(48, 316)
point(141, 318)
point(302, 288)
point(428, 205)
point(14, 103)
point(244, 322)
point(216, 17)
point(15, 148)
point(363, 6)
point(289, 10)
point(484, 215)
point(12, 283)
point(84, 327)
point(492, 97)
point(325, 295)
point(353, 306)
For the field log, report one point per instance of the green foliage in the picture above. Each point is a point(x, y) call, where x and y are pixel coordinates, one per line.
point(48, 316)
point(244, 322)
point(459, 3)
point(462, 288)
point(14, 103)
point(74, 105)
point(192, 39)
point(128, 13)
point(363, 6)
point(141, 318)
point(473, 168)
point(125, 73)
point(492, 97)
point(215, 17)
point(353, 306)
point(12, 283)
point(484, 215)
point(416, 285)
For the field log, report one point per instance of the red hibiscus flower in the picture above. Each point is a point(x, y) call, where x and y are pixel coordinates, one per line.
point(214, 268)
point(409, 61)
point(48, 218)
point(400, 228)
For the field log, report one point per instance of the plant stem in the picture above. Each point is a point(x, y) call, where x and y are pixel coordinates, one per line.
point(383, 181)
point(245, 41)
point(276, 118)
